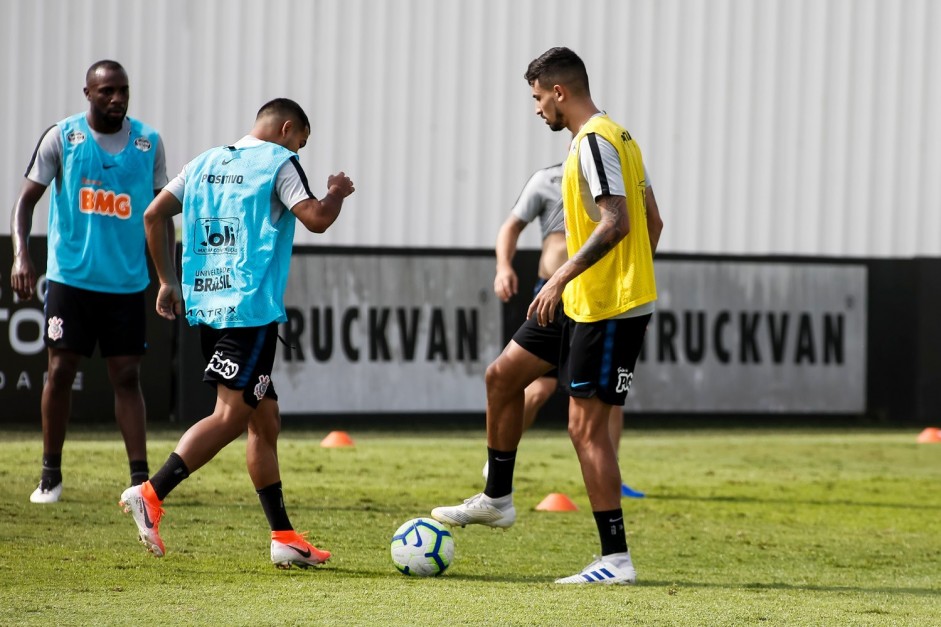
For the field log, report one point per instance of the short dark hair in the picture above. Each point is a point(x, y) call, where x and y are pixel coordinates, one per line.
point(559, 66)
point(105, 64)
point(284, 108)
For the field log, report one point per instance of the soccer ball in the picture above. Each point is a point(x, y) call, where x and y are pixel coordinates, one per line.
point(422, 547)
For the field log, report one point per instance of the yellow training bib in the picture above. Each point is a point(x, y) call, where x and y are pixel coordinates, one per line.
point(623, 278)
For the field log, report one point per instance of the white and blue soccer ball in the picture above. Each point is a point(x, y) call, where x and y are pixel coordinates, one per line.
point(422, 547)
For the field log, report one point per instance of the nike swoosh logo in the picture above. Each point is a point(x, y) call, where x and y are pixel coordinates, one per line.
point(304, 553)
point(502, 459)
point(580, 384)
point(147, 521)
point(614, 520)
point(108, 166)
point(227, 161)
point(417, 536)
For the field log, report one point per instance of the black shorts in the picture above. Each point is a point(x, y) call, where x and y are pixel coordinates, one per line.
point(77, 319)
point(241, 359)
point(598, 358)
point(540, 282)
point(543, 342)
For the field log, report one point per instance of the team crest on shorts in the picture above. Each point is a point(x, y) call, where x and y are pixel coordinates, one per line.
point(55, 328)
point(262, 386)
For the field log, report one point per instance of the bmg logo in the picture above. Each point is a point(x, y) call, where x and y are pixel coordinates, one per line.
point(216, 236)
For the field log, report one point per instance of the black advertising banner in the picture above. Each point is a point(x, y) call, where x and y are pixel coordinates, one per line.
point(23, 360)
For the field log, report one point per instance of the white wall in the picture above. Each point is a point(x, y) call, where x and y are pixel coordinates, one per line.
point(771, 127)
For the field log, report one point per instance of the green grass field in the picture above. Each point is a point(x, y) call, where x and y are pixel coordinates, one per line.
point(739, 528)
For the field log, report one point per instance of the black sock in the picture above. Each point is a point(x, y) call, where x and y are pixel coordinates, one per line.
point(173, 472)
point(611, 529)
point(499, 472)
point(139, 471)
point(51, 471)
point(272, 501)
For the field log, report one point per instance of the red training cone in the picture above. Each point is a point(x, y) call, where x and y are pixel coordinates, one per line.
point(930, 435)
point(337, 439)
point(556, 502)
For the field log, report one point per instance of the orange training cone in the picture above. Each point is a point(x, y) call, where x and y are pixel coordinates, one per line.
point(930, 435)
point(556, 502)
point(337, 439)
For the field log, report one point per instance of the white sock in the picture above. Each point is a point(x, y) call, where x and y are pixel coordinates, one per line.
point(501, 501)
point(621, 560)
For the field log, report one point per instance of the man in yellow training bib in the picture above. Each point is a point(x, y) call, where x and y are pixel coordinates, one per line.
point(608, 292)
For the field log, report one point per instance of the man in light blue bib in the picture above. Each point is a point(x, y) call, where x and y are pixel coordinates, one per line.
point(105, 169)
point(239, 206)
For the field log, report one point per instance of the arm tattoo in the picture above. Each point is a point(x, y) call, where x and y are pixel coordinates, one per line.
point(605, 237)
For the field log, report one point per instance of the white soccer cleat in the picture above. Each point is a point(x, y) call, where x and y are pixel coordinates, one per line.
point(289, 548)
point(479, 509)
point(610, 569)
point(46, 495)
point(147, 512)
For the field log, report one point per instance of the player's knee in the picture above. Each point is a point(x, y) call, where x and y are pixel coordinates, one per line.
point(536, 397)
point(267, 430)
point(495, 378)
point(576, 431)
point(584, 432)
point(61, 374)
point(265, 421)
point(231, 423)
point(125, 377)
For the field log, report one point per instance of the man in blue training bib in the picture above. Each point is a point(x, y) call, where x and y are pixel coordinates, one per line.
point(106, 168)
point(239, 205)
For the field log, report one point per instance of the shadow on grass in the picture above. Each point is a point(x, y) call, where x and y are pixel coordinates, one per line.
point(451, 576)
point(762, 501)
point(643, 583)
point(788, 586)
